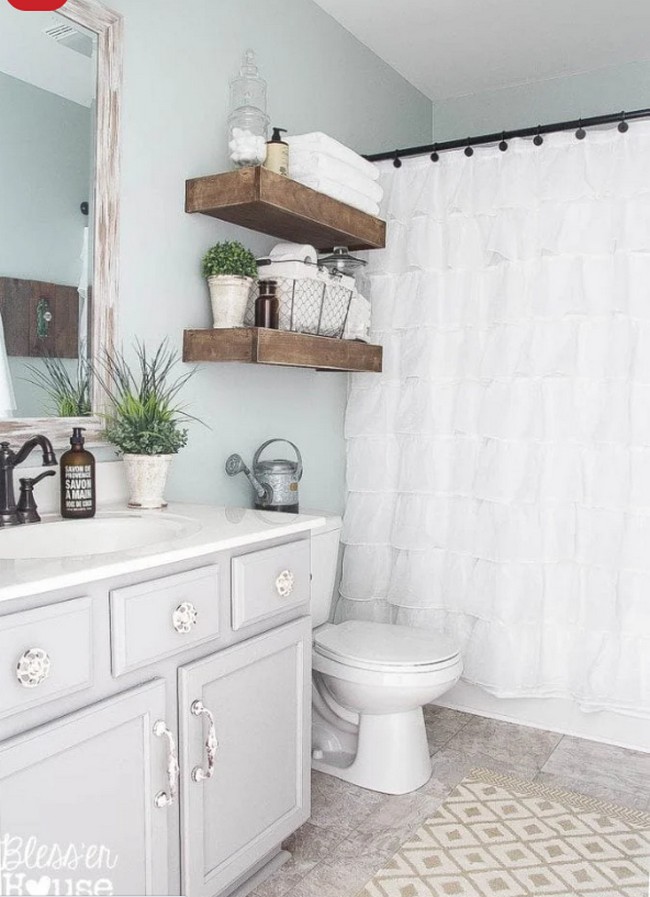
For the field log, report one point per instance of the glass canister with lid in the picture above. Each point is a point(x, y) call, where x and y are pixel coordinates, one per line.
point(248, 122)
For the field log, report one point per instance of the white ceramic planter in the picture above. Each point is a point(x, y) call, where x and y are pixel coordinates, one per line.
point(146, 476)
point(229, 297)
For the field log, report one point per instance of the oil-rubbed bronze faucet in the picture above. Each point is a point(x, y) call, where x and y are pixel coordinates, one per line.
point(9, 459)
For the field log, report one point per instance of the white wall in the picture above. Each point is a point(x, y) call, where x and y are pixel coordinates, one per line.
point(611, 89)
point(178, 62)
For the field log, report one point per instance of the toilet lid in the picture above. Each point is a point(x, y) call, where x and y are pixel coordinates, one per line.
point(383, 646)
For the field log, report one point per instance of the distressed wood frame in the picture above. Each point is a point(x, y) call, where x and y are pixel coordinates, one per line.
point(107, 25)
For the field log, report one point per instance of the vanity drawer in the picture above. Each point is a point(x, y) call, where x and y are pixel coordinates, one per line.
point(267, 583)
point(161, 617)
point(45, 653)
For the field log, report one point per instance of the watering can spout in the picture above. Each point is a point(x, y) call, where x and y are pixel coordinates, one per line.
point(235, 464)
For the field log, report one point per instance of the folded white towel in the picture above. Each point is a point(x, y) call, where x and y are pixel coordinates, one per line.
point(302, 252)
point(341, 192)
point(317, 141)
point(303, 164)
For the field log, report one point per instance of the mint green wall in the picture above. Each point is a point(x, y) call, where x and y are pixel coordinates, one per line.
point(592, 93)
point(45, 165)
point(45, 152)
point(179, 58)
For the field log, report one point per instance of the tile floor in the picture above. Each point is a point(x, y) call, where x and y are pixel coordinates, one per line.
point(352, 831)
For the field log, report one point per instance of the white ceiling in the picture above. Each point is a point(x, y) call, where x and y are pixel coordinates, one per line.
point(28, 54)
point(451, 48)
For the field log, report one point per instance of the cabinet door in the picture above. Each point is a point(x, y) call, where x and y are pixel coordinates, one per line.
point(259, 695)
point(77, 812)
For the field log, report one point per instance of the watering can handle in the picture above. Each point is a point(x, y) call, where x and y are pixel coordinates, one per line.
point(294, 447)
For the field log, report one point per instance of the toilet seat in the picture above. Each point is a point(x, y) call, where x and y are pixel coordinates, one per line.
point(384, 647)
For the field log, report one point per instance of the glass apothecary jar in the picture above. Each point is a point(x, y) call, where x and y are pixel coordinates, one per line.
point(248, 122)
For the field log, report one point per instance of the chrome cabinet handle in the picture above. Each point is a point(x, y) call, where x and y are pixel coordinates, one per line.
point(163, 798)
point(211, 744)
point(284, 583)
point(184, 617)
point(33, 667)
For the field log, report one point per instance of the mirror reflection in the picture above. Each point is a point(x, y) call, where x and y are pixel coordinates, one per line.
point(47, 153)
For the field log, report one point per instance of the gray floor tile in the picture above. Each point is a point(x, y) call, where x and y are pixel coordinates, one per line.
point(312, 843)
point(308, 846)
point(442, 724)
point(342, 879)
point(353, 832)
point(521, 746)
point(338, 805)
point(284, 880)
point(637, 800)
point(601, 770)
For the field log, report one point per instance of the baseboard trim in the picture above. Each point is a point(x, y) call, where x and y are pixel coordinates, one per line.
point(554, 714)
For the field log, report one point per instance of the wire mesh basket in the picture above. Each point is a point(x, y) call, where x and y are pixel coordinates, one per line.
point(313, 301)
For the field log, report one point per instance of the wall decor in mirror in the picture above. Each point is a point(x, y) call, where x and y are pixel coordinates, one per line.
point(60, 76)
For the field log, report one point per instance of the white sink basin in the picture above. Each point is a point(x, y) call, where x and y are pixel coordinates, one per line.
point(83, 538)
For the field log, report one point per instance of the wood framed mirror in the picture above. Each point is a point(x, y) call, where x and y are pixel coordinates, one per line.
point(44, 317)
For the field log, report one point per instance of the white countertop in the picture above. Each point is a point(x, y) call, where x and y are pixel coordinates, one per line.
point(205, 529)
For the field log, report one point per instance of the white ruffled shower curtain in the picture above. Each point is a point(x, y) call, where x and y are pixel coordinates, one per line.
point(499, 468)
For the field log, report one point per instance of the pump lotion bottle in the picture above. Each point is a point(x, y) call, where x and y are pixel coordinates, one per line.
point(77, 479)
point(277, 153)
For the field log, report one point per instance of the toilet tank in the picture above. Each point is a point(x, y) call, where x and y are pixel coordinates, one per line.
point(324, 562)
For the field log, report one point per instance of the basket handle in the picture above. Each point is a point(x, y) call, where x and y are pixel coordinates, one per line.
point(268, 443)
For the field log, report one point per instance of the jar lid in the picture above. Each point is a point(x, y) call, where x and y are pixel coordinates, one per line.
point(341, 262)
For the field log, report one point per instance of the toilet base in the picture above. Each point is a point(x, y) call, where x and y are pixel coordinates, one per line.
point(392, 754)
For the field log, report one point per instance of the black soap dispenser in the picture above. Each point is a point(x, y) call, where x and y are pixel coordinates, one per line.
point(78, 497)
point(277, 153)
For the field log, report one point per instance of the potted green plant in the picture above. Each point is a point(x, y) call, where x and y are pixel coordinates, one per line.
point(143, 419)
point(230, 270)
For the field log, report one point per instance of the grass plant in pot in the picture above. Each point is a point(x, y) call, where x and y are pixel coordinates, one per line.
point(66, 385)
point(230, 270)
point(144, 420)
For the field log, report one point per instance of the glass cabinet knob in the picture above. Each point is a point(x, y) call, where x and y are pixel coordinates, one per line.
point(284, 583)
point(33, 667)
point(184, 617)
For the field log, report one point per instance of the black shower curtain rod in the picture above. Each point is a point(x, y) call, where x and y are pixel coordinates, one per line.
point(502, 137)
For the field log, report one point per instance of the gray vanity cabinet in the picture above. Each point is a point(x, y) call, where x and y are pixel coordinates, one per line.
point(89, 777)
point(107, 702)
point(257, 695)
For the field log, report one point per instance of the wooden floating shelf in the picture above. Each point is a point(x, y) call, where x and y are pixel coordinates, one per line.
point(272, 204)
point(256, 345)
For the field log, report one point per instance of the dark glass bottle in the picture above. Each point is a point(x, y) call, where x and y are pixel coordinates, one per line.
point(267, 306)
point(78, 498)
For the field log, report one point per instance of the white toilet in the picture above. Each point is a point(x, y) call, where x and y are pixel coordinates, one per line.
point(370, 682)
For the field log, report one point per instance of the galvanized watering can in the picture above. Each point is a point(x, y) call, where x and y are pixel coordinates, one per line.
point(275, 482)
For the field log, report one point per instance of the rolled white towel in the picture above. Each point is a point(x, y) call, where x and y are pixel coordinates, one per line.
point(341, 192)
point(319, 142)
point(319, 165)
point(303, 252)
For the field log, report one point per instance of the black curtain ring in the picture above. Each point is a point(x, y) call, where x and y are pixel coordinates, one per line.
point(623, 125)
point(434, 155)
point(503, 146)
point(580, 133)
point(397, 162)
point(468, 149)
point(538, 140)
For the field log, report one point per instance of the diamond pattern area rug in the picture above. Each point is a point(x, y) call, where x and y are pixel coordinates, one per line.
point(496, 836)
